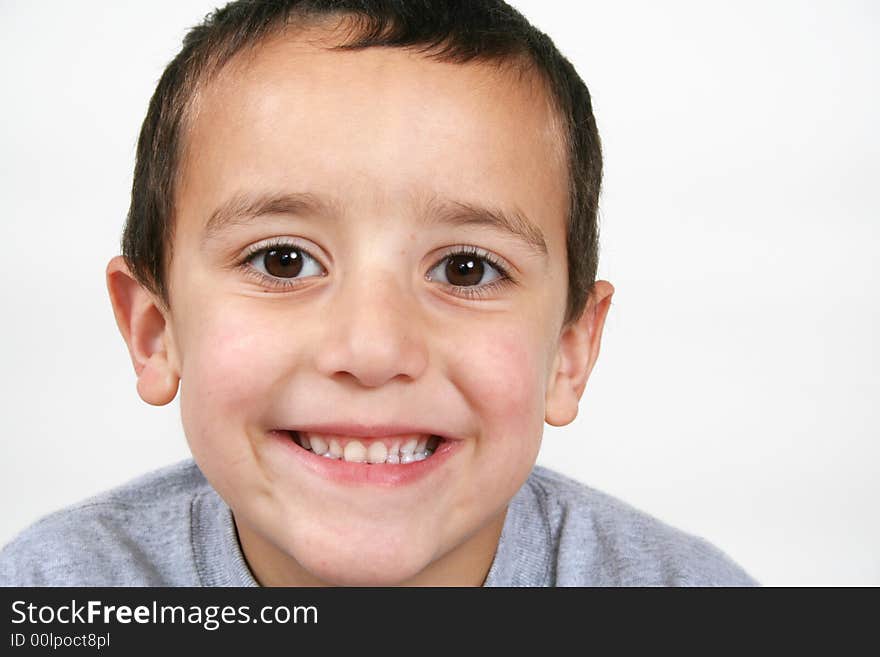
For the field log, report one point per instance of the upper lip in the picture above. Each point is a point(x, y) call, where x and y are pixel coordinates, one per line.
point(361, 430)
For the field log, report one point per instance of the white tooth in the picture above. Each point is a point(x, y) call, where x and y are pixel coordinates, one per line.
point(408, 447)
point(394, 450)
point(419, 456)
point(377, 453)
point(319, 445)
point(393, 458)
point(304, 439)
point(420, 446)
point(355, 452)
point(406, 458)
point(335, 448)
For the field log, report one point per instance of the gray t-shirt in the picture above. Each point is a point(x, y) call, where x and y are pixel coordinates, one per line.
point(170, 528)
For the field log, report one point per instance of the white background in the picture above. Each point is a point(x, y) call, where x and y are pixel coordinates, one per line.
point(737, 392)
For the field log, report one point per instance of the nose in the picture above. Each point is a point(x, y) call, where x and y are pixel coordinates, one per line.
point(373, 334)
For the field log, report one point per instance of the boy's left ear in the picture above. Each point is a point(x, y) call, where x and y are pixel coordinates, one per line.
point(578, 350)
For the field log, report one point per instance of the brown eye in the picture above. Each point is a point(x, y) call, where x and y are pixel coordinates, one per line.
point(469, 272)
point(464, 269)
point(283, 262)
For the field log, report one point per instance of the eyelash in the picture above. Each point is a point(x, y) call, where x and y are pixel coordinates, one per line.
point(465, 291)
point(475, 291)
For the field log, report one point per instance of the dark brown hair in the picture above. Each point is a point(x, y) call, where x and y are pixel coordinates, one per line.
point(457, 31)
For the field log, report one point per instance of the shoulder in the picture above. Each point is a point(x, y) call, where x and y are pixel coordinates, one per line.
point(134, 535)
point(599, 539)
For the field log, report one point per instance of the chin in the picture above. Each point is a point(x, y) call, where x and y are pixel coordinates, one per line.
point(363, 570)
point(382, 550)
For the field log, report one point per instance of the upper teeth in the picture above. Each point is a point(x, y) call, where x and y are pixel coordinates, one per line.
point(404, 449)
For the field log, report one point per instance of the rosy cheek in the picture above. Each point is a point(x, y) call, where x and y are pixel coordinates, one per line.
point(501, 377)
point(228, 370)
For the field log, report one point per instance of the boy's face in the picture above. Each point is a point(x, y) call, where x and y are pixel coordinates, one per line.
point(353, 325)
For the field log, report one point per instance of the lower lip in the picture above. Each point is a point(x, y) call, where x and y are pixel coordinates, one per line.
point(376, 474)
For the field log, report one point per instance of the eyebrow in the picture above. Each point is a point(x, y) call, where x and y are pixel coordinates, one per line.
point(513, 222)
point(243, 207)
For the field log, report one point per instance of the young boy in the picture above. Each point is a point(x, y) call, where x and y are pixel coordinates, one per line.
point(362, 243)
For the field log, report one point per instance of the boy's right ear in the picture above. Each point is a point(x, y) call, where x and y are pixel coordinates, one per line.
point(145, 328)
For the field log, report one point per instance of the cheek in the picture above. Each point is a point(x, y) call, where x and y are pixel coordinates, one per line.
point(502, 375)
point(228, 374)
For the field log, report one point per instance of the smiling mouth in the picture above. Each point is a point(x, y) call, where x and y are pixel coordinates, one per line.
point(397, 450)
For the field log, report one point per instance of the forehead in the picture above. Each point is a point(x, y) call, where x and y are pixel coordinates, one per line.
point(378, 128)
